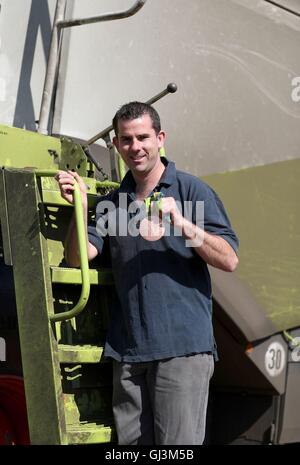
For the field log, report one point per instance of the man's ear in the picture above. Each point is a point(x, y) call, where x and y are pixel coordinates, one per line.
point(161, 138)
point(116, 142)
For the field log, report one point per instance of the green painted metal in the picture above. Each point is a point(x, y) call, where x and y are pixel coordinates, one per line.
point(51, 193)
point(162, 152)
point(262, 203)
point(90, 434)
point(4, 222)
point(82, 248)
point(54, 198)
point(46, 173)
point(107, 185)
point(83, 405)
point(80, 354)
point(25, 149)
point(121, 167)
point(34, 305)
point(72, 157)
point(73, 276)
point(78, 407)
point(58, 214)
point(84, 264)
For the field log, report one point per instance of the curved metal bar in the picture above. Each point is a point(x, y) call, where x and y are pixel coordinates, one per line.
point(106, 17)
point(108, 184)
point(105, 133)
point(121, 167)
point(84, 264)
point(283, 7)
point(51, 71)
point(170, 89)
point(52, 64)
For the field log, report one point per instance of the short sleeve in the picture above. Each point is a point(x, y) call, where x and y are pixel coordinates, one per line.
point(216, 221)
point(96, 234)
point(94, 238)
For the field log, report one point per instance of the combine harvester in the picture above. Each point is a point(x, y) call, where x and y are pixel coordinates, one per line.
point(55, 386)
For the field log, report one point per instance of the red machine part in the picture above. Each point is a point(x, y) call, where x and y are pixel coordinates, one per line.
point(13, 413)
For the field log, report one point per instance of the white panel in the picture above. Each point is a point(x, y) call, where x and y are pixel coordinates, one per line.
point(25, 27)
point(233, 62)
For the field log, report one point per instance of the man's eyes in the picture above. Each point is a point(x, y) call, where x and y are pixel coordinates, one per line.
point(128, 140)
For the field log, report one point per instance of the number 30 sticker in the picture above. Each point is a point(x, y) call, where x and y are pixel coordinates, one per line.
point(275, 359)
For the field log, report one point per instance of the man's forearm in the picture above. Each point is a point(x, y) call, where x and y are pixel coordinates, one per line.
point(71, 243)
point(66, 181)
point(213, 249)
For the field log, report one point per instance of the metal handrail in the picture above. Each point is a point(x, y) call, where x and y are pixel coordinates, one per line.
point(51, 72)
point(107, 184)
point(283, 7)
point(105, 133)
point(52, 66)
point(170, 89)
point(106, 17)
point(83, 255)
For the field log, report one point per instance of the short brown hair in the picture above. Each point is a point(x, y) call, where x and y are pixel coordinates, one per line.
point(134, 110)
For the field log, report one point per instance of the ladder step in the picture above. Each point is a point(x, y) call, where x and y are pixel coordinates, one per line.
point(73, 276)
point(79, 353)
point(53, 197)
point(90, 433)
point(51, 193)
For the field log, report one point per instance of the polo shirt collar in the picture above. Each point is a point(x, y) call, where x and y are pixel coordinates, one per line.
point(168, 178)
point(169, 175)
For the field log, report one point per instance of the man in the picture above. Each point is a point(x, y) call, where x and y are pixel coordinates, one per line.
point(160, 335)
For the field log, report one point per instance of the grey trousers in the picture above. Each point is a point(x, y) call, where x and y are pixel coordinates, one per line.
point(162, 402)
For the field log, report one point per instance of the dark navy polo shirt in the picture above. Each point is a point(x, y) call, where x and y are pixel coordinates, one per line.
point(164, 298)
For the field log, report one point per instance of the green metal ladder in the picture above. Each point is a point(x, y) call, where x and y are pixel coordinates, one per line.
point(68, 385)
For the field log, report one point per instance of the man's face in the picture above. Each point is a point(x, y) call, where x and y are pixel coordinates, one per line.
point(138, 144)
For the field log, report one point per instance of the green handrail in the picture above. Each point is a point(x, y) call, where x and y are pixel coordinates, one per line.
point(121, 166)
point(83, 255)
point(108, 184)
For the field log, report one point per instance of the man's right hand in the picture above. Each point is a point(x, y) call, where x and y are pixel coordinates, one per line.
point(66, 181)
